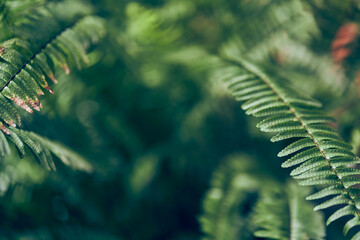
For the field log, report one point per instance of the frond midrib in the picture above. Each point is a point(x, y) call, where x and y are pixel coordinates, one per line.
point(40, 50)
point(298, 118)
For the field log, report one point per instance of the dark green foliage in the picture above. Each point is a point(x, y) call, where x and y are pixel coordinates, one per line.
point(155, 130)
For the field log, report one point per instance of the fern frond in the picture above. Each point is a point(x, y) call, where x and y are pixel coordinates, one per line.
point(280, 211)
point(43, 39)
point(232, 186)
point(323, 155)
point(29, 59)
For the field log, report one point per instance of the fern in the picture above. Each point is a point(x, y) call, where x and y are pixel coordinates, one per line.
point(42, 40)
point(245, 202)
point(147, 49)
point(322, 155)
point(232, 186)
point(283, 213)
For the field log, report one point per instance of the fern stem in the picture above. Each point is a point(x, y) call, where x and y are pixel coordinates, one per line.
point(273, 88)
point(42, 48)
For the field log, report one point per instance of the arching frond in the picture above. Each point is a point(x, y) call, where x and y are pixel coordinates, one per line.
point(44, 39)
point(321, 156)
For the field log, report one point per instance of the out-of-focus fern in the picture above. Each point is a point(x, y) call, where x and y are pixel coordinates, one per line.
point(282, 44)
point(11, 11)
point(233, 186)
point(281, 22)
point(283, 213)
point(244, 203)
point(322, 155)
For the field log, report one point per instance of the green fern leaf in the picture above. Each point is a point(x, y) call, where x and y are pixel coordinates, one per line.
point(296, 146)
point(279, 127)
point(270, 121)
point(324, 171)
point(320, 180)
point(18, 142)
point(337, 162)
point(332, 190)
point(338, 200)
point(257, 101)
point(302, 157)
point(345, 211)
point(37, 149)
point(351, 224)
point(4, 146)
point(283, 135)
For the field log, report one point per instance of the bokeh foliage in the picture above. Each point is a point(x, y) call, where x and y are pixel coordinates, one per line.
point(160, 131)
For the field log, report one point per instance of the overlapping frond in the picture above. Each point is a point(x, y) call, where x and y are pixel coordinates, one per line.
point(234, 185)
point(281, 22)
point(245, 201)
point(47, 37)
point(281, 43)
point(321, 156)
point(12, 11)
point(283, 213)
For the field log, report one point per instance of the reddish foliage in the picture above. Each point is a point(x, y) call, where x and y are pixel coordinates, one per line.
point(346, 34)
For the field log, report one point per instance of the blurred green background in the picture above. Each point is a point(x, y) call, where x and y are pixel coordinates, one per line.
point(150, 117)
